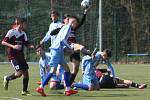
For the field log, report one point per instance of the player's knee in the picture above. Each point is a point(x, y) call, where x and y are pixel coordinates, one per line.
point(18, 74)
point(90, 88)
point(53, 85)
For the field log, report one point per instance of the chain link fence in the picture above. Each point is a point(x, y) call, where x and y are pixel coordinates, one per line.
point(125, 24)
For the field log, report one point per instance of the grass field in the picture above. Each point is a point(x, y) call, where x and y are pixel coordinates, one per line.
point(136, 72)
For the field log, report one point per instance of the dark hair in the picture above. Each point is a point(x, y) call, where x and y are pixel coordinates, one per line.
point(108, 52)
point(20, 20)
point(75, 18)
point(54, 12)
point(66, 15)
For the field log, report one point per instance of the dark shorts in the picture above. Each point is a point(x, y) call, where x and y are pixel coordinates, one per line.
point(75, 56)
point(19, 64)
point(107, 82)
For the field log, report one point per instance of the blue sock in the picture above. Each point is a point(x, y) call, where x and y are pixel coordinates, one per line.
point(47, 79)
point(67, 78)
point(82, 86)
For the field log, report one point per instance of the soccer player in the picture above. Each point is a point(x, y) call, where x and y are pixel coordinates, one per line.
point(54, 25)
point(106, 81)
point(89, 80)
point(15, 40)
point(88, 69)
point(75, 57)
point(57, 52)
point(45, 68)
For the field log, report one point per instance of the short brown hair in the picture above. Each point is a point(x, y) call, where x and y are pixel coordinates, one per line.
point(108, 52)
point(54, 12)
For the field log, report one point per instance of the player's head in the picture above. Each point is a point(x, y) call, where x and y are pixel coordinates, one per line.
point(21, 23)
point(106, 54)
point(40, 50)
point(75, 21)
point(66, 18)
point(54, 15)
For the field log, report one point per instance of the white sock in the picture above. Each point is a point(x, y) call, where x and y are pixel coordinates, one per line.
point(67, 89)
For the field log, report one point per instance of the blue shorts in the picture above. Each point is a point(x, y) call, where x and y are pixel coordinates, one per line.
point(57, 57)
point(54, 78)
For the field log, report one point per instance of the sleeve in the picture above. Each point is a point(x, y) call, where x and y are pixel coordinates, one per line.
point(26, 42)
point(82, 21)
point(111, 69)
point(8, 36)
point(46, 37)
point(42, 71)
point(66, 31)
point(55, 31)
point(83, 65)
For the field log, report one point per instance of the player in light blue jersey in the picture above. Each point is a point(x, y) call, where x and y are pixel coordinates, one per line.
point(45, 68)
point(103, 58)
point(57, 57)
point(90, 81)
point(54, 25)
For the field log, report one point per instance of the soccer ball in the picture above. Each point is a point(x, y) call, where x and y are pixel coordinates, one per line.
point(85, 3)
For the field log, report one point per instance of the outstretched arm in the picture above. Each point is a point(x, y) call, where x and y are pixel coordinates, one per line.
point(110, 67)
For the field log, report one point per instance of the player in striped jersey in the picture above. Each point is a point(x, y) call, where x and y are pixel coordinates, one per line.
point(15, 40)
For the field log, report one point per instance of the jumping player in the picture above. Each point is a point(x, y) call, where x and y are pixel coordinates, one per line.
point(15, 40)
point(57, 52)
point(75, 57)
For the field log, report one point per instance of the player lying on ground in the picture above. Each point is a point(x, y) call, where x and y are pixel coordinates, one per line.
point(106, 81)
point(45, 68)
point(89, 63)
point(15, 40)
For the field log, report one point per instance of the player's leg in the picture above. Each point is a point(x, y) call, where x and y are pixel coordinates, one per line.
point(40, 89)
point(81, 48)
point(75, 60)
point(55, 83)
point(25, 83)
point(68, 91)
point(106, 81)
point(95, 84)
point(54, 61)
point(136, 85)
point(18, 73)
point(25, 73)
point(80, 85)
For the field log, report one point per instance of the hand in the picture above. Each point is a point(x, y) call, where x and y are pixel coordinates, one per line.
point(86, 9)
point(41, 42)
point(17, 47)
point(31, 46)
point(86, 3)
point(109, 71)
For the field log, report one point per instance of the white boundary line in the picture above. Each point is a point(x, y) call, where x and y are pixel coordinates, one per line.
point(12, 98)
